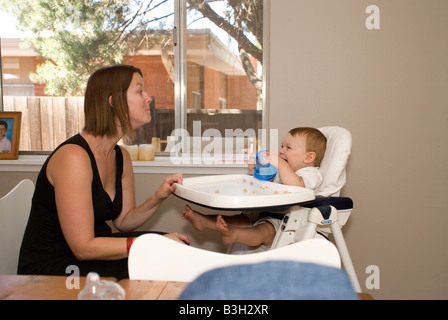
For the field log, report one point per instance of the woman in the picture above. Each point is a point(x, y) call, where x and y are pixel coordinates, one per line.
point(88, 180)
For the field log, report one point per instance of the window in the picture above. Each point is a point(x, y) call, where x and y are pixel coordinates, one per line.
point(202, 63)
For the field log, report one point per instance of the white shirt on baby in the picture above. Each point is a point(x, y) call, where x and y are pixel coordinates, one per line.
point(311, 176)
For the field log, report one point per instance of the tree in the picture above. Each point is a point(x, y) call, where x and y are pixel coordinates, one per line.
point(76, 37)
point(243, 22)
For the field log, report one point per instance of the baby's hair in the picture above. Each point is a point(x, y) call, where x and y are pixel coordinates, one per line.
point(315, 141)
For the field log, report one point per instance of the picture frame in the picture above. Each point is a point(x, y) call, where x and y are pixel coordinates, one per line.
point(10, 125)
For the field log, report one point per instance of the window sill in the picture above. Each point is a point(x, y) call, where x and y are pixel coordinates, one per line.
point(163, 165)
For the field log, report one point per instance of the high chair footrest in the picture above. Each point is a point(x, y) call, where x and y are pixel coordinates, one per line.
point(340, 203)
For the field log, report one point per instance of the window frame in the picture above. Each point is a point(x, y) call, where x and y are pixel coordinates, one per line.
point(180, 62)
point(180, 36)
point(1, 77)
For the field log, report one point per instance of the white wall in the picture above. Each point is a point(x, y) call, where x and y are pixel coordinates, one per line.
point(389, 87)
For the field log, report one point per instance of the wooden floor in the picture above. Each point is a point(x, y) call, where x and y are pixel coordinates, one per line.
point(365, 296)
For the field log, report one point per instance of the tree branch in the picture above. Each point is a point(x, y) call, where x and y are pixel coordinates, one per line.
point(235, 32)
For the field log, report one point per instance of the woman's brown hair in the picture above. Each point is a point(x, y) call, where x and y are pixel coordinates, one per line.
point(100, 116)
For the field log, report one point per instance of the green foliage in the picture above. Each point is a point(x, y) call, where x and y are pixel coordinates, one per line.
point(75, 37)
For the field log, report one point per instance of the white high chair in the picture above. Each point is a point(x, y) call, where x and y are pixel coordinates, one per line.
point(325, 214)
point(328, 212)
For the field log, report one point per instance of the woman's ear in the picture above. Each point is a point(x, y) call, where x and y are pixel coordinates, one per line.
point(310, 157)
point(110, 100)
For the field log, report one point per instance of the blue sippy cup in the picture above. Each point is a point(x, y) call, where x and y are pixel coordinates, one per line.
point(263, 169)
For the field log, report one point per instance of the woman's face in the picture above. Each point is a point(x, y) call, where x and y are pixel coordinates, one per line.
point(138, 102)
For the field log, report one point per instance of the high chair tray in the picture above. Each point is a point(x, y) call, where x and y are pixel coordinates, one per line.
point(240, 192)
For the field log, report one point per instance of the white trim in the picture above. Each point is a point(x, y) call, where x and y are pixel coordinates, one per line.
point(23, 164)
point(162, 165)
point(266, 67)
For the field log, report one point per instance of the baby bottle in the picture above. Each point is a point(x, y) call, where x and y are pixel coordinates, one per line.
point(96, 289)
point(263, 169)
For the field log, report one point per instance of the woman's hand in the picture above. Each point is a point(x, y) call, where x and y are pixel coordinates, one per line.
point(168, 186)
point(134, 217)
point(178, 237)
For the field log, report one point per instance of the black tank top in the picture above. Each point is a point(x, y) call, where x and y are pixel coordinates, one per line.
point(44, 249)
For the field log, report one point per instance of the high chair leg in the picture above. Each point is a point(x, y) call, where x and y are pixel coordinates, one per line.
point(308, 220)
point(328, 215)
point(345, 256)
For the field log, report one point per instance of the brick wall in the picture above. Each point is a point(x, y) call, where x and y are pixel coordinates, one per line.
point(237, 90)
point(157, 80)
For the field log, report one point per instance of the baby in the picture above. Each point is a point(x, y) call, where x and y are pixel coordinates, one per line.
point(5, 144)
point(297, 163)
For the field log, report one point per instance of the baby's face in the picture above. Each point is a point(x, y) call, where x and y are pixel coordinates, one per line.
point(293, 151)
point(2, 131)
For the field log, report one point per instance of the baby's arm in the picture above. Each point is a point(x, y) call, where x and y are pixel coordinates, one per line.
point(251, 163)
point(287, 175)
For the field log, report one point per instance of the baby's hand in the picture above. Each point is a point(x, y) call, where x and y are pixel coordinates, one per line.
point(273, 158)
point(251, 163)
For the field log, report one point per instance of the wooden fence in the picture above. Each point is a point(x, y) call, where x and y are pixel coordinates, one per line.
point(46, 121)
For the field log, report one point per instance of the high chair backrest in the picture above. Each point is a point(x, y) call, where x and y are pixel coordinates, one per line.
point(333, 166)
point(14, 212)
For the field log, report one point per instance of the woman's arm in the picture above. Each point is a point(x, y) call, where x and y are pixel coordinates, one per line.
point(131, 216)
point(70, 172)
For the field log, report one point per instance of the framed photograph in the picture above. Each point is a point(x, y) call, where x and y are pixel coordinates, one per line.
point(10, 122)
